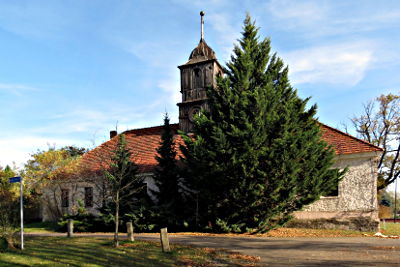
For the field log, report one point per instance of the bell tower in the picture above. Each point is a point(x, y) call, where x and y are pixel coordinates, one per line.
point(197, 74)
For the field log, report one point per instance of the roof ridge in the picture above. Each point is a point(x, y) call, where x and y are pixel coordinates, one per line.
point(148, 128)
point(351, 136)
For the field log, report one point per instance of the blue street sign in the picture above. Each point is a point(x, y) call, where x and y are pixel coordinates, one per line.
point(15, 179)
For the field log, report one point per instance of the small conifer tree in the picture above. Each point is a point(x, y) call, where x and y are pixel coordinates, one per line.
point(123, 181)
point(257, 155)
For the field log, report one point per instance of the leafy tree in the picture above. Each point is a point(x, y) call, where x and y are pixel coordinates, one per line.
point(5, 174)
point(41, 167)
point(380, 125)
point(8, 206)
point(167, 179)
point(123, 181)
point(385, 198)
point(75, 151)
point(43, 164)
point(50, 169)
point(257, 155)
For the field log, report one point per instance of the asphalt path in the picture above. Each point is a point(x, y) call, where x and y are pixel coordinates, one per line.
point(295, 251)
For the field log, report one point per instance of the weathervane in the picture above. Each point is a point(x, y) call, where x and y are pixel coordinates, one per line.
point(202, 24)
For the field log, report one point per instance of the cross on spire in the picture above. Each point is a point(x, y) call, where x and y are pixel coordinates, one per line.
point(202, 24)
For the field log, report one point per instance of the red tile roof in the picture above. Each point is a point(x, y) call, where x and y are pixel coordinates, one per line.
point(344, 143)
point(141, 142)
point(144, 142)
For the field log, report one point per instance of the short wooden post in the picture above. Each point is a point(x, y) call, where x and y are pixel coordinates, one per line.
point(164, 240)
point(70, 227)
point(129, 230)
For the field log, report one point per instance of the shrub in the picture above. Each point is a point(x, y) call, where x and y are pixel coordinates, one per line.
point(8, 217)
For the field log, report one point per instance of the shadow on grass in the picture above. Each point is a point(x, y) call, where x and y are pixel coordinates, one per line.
point(42, 226)
point(61, 251)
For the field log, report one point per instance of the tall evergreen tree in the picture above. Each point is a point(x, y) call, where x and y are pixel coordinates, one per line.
point(257, 155)
point(167, 179)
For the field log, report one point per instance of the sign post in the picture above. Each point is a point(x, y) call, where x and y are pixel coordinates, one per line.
point(21, 204)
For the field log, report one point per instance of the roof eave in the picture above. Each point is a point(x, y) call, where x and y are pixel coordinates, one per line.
point(187, 64)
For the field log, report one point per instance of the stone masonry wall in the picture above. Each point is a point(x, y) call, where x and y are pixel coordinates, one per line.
point(357, 192)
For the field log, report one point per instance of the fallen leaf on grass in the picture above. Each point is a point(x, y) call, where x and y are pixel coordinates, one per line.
point(187, 262)
point(239, 256)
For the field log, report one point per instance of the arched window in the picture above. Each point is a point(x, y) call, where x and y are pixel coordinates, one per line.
point(198, 78)
point(186, 79)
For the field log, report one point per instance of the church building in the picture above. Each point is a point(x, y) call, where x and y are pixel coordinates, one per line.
point(354, 201)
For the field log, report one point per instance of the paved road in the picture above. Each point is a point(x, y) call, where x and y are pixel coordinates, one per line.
point(344, 251)
point(339, 251)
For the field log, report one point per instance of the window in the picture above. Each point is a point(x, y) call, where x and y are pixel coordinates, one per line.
point(88, 196)
point(198, 78)
point(142, 192)
point(334, 192)
point(65, 198)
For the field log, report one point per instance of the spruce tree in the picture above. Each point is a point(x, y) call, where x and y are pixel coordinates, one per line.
point(257, 155)
point(167, 179)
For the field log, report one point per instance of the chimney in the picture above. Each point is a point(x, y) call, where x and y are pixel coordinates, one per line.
point(113, 134)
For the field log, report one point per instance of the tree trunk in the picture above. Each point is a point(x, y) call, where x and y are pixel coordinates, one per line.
point(116, 243)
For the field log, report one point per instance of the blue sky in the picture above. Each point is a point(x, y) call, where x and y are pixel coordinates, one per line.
point(70, 71)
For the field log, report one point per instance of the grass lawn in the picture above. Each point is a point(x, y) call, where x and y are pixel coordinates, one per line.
point(80, 251)
point(41, 227)
point(390, 228)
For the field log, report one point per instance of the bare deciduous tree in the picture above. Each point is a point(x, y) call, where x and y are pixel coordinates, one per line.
point(380, 125)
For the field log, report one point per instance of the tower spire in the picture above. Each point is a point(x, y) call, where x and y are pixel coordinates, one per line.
point(202, 25)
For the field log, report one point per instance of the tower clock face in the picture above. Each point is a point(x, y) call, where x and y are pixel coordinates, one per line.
point(192, 112)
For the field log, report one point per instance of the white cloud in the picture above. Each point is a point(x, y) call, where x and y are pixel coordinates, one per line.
point(171, 88)
point(162, 59)
point(372, 21)
point(16, 89)
point(85, 120)
point(220, 17)
point(323, 18)
point(302, 11)
point(227, 33)
point(171, 85)
point(81, 126)
point(344, 64)
point(18, 149)
point(151, 53)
